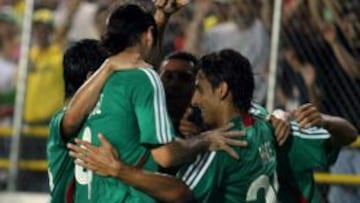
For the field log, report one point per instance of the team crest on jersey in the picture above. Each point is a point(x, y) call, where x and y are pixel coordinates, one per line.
point(266, 152)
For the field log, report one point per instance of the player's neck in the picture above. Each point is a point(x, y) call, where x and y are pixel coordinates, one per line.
point(131, 54)
point(228, 113)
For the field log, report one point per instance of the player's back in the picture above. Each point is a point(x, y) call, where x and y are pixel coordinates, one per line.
point(123, 115)
point(216, 177)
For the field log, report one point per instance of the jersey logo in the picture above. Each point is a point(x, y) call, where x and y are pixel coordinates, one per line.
point(97, 109)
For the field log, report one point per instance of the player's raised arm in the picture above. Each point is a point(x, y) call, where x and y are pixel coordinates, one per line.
point(342, 131)
point(164, 10)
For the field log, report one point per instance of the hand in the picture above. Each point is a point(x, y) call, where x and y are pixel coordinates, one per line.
point(169, 7)
point(103, 160)
point(186, 127)
point(280, 121)
point(221, 139)
point(308, 116)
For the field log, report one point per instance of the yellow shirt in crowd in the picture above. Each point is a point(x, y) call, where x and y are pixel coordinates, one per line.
point(45, 85)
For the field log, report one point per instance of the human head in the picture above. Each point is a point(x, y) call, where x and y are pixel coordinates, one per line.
point(43, 26)
point(179, 61)
point(179, 88)
point(129, 25)
point(224, 79)
point(9, 36)
point(80, 60)
point(178, 77)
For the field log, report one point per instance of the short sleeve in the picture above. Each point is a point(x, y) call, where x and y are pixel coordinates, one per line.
point(55, 137)
point(151, 112)
point(201, 176)
point(308, 147)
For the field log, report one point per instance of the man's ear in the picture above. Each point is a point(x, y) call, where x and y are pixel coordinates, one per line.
point(223, 90)
point(89, 74)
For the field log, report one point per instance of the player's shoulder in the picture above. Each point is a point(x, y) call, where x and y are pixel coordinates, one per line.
point(258, 111)
point(135, 75)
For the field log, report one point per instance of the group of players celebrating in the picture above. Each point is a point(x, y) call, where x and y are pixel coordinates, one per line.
point(192, 134)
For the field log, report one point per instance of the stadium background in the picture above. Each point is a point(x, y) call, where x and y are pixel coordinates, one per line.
point(309, 51)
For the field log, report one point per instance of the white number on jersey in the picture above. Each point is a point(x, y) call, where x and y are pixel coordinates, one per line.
point(262, 182)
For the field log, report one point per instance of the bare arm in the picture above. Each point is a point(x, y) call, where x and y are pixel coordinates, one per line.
point(342, 132)
point(163, 187)
point(104, 161)
point(84, 101)
point(87, 96)
point(195, 31)
point(347, 62)
point(164, 10)
point(183, 150)
point(62, 31)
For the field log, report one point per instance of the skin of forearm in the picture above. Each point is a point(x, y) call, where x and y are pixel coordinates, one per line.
point(61, 32)
point(313, 94)
point(346, 61)
point(342, 132)
point(193, 38)
point(155, 56)
point(180, 151)
point(160, 186)
point(84, 101)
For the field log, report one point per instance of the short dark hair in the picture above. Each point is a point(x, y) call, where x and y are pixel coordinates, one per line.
point(231, 67)
point(187, 57)
point(182, 55)
point(80, 59)
point(125, 26)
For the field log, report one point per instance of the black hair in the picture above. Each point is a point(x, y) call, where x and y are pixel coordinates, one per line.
point(185, 56)
point(231, 67)
point(125, 26)
point(81, 58)
point(146, 5)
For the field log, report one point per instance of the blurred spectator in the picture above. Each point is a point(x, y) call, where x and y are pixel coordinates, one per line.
point(237, 27)
point(83, 24)
point(9, 47)
point(45, 88)
point(101, 15)
point(9, 44)
point(347, 163)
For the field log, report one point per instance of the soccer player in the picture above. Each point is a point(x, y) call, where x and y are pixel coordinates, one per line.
point(309, 148)
point(212, 176)
point(79, 61)
point(131, 111)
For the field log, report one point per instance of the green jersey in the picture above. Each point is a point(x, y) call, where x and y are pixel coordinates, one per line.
point(216, 177)
point(60, 164)
point(131, 113)
point(304, 151)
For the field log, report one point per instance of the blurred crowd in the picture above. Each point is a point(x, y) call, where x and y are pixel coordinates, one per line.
point(319, 51)
point(319, 58)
